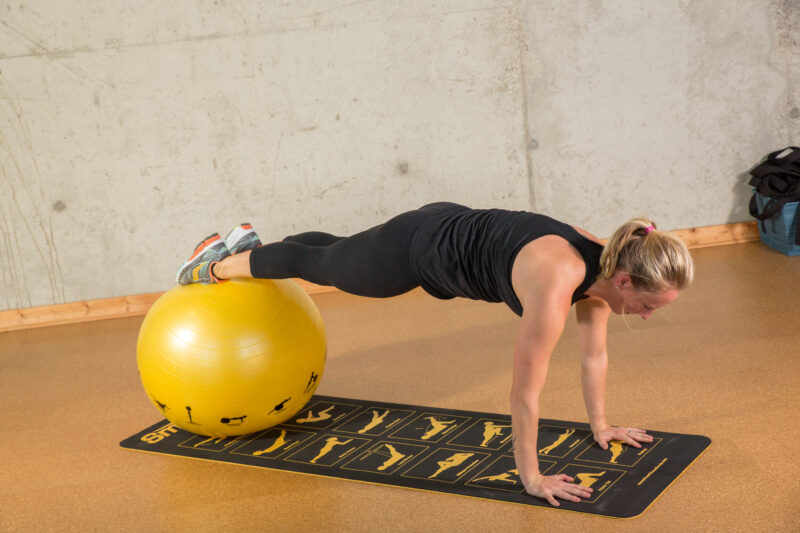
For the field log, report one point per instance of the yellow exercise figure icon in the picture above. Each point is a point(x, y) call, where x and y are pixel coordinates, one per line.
point(492, 430)
point(452, 461)
point(280, 441)
point(505, 476)
point(330, 442)
point(216, 440)
point(616, 448)
point(588, 479)
point(323, 415)
point(377, 419)
point(560, 440)
point(437, 426)
point(394, 457)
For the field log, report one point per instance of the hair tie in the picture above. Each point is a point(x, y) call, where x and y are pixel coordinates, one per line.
point(648, 229)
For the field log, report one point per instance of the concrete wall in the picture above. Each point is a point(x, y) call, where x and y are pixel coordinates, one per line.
point(131, 130)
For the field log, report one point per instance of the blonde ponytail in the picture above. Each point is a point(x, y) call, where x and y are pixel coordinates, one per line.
point(655, 260)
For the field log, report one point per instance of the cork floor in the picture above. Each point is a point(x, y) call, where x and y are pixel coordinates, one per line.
point(722, 361)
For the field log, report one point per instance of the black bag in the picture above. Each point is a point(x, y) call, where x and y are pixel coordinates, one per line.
point(777, 178)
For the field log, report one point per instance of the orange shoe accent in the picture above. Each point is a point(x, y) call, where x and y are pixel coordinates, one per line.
point(247, 226)
point(211, 239)
point(202, 245)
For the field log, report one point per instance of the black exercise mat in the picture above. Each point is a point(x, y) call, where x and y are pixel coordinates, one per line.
point(443, 450)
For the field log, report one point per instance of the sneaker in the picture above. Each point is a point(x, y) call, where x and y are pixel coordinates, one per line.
point(242, 238)
point(198, 268)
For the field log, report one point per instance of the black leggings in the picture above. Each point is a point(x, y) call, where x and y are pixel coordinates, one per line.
point(375, 262)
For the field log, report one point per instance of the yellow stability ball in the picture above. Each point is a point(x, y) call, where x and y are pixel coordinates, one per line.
point(234, 358)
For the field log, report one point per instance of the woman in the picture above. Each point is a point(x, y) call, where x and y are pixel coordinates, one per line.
point(538, 266)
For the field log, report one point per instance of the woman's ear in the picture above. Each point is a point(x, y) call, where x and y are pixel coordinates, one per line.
point(622, 280)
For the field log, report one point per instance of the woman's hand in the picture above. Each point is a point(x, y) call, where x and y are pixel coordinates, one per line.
point(632, 436)
point(560, 485)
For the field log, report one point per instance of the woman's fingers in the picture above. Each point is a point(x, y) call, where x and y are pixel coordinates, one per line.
point(630, 436)
point(576, 491)
point(561, 486)
point(571, 492)
point(633, 436)
point(567, 496)
point(631, 441)
point(583, 490)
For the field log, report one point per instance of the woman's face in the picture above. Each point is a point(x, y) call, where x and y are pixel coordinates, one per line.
point(644, 303)
point(632, 301)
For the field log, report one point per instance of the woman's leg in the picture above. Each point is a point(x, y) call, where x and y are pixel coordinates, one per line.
point(374, 263)
point(238, 266)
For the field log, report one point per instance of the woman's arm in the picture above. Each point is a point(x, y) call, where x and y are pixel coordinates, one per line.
point(542, 324)
point(593, 316)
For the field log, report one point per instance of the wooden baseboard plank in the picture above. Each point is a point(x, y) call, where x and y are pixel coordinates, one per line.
point(137, 305)
point(719, 235)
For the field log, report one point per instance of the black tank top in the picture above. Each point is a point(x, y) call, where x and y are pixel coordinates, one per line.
point(458, 251)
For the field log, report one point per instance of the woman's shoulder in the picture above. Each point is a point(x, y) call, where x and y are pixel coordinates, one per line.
point(547, 266)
